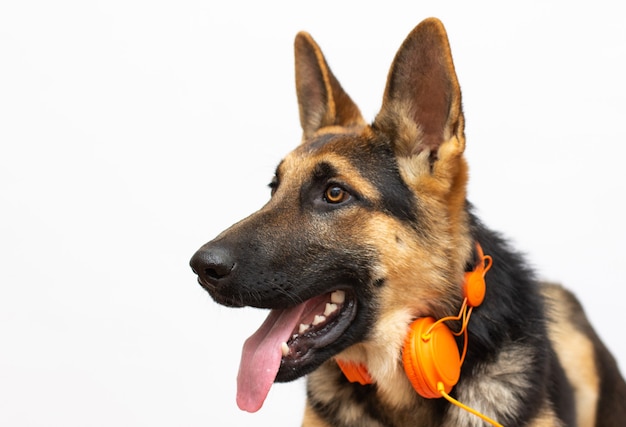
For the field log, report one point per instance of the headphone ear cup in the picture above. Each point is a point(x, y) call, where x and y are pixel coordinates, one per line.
point(430, 359)
point(411, 360)
point(474, 287)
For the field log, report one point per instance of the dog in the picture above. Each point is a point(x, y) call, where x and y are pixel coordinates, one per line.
point(384, 288)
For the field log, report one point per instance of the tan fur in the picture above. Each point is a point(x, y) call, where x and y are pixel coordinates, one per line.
point(325, 391)
point(575, 351)
point(546, 418)
point(311, 419)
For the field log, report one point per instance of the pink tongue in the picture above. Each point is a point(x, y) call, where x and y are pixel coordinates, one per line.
point(261, 355)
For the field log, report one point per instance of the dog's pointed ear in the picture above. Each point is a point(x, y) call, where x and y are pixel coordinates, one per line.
point(321, 99)
point(422, 101)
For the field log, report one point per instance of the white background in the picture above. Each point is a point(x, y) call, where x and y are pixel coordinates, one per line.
point(131, 132)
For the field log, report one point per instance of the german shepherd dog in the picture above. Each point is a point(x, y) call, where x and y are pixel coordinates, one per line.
point(367, 232)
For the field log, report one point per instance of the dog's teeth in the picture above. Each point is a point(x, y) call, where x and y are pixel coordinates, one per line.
point(330, 309)
point(284, 348)
point(303, 328)
point(318, 319)
point(338, 297)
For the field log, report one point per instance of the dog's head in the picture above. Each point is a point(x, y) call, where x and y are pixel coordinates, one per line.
point(366, 227)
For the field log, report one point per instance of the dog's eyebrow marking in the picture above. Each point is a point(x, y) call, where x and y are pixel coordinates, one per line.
point(323, 171)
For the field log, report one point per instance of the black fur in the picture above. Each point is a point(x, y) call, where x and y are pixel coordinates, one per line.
point(513, 312)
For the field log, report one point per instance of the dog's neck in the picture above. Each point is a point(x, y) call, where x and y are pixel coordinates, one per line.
point(358, 372)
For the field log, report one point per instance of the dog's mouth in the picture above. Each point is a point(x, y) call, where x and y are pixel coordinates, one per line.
point(285, 345)
point(324, 321)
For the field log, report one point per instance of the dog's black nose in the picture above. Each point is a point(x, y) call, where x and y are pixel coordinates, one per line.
point(212, 265)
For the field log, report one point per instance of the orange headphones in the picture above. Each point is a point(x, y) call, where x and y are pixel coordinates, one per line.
point(430, 355)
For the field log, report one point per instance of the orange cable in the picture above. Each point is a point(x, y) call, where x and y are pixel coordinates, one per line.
point(440, 388)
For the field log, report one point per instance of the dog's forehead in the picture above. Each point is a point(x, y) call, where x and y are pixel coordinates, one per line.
point(318, 143)
point(339, 143)
point(348, 154)
point(329, 157)
point(324, 159)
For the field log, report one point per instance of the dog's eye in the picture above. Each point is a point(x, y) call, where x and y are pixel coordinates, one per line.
point(335, 194)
